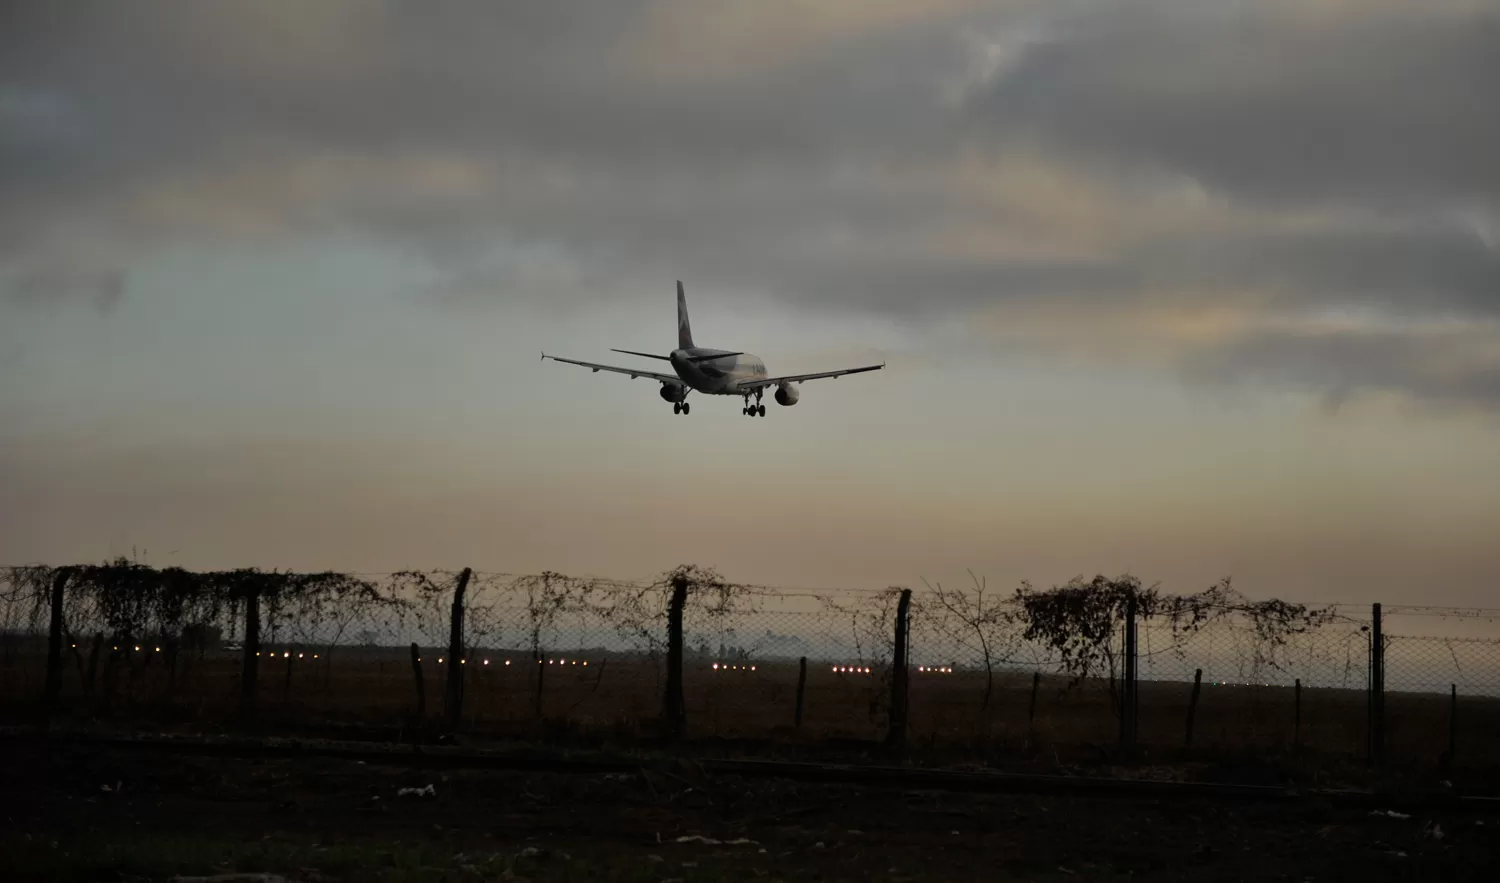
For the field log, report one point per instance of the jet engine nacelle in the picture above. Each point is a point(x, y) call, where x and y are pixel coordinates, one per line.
point(672, 392)
point(787, 394)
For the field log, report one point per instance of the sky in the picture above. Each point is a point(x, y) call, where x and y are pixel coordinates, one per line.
point(1181, 289)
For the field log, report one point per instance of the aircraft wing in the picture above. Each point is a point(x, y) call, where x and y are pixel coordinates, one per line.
point(633, 372)
point(752, 385)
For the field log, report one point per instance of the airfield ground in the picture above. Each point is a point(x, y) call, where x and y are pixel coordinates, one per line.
point(80, 814)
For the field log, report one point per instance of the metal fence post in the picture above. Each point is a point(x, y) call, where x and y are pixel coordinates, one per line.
point(674, 707)
point(1377, 687)
point(1128, 703)
point(896, 735)
point(1297, 715)
point(250, 663)
point(54, 641)
point(1036, 685)
point(1193, 707)
point(801, 688)
point(416, 673)
point(453, 698)
point(1452, 726)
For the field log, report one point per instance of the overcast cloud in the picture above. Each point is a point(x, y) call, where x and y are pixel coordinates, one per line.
point(1318, 177)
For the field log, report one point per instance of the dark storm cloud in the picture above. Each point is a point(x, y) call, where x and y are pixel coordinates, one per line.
point(1416, 269)
point(1448, 368)
point(572, 151)
point(102, 289)
point(1384, 106)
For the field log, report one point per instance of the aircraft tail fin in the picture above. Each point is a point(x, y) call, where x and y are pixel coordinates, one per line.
point(684, 328)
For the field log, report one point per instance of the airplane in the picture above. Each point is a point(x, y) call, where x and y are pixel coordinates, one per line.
point(714, 372)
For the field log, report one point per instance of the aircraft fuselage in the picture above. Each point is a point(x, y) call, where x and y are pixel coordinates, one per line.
point(716, 376)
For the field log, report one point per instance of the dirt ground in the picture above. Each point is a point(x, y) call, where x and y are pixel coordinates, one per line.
point(91, 815)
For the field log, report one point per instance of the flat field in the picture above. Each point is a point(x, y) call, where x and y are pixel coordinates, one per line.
point(618, 699)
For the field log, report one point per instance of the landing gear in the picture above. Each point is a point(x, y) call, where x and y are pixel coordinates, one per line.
point(681, 407)
point(755, 410)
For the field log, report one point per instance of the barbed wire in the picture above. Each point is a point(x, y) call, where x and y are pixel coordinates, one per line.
point(592, 650)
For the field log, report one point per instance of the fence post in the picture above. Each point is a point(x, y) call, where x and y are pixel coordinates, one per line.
point(1452, 724)
point(1297, 719)
point(453, 699)
point(896, 735)
point(674, 707)
point(1128, 705)
point(55, 639)
point(801, 688)
point(1193, 706)
point(1377, 687)
point(541, 682)
point(250, 666)
point(416, 671)
point(88, 679)
point(1036, 684)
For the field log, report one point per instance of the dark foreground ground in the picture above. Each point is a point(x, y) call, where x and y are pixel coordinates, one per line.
point(96, 815)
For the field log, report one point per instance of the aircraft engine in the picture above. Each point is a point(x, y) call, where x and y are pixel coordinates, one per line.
point(787, 394)
point(672, 392)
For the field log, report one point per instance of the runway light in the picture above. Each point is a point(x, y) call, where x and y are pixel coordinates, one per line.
point(287, 655)
point(463, 662)
point(507, 662)
point(716, 666)
point(138, 649)
point(301, 656)
point(315, 656)
point(158, 649)
point(440, 660)
point(486, 662)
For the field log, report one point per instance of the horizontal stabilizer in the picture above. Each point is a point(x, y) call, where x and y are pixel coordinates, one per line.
point(710, 358)
point(642, 355)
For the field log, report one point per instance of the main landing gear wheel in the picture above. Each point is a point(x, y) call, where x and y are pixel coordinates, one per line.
point(761, 410)
point(681, 407)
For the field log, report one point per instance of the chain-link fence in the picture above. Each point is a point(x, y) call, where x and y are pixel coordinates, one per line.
point(549, 651)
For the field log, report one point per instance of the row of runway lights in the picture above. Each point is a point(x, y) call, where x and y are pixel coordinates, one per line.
point(287, 654)
point(837, 669)
point(840, 669)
